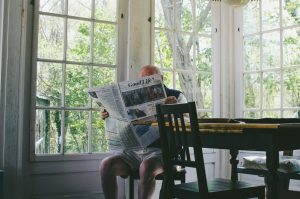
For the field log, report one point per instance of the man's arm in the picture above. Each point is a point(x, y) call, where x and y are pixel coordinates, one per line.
point(104, 114)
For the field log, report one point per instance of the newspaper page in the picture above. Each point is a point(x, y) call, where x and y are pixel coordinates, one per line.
point(140, 96)
point(108, 96)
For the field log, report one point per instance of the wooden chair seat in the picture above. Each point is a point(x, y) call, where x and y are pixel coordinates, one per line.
point(217, 188)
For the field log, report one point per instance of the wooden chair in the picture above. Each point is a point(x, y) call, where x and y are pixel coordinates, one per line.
point(178, 173)
point(179, 137)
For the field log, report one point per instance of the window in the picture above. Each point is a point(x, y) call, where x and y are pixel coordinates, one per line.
point(75, 49)
point(183, 49)
point(271, 61)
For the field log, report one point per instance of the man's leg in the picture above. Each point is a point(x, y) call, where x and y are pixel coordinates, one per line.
point(110, 168)
point(148, 170)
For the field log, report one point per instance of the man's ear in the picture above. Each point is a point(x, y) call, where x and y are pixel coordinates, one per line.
point(162, 78)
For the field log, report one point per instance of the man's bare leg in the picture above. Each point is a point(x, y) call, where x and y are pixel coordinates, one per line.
point(148, 170)
point(110, 168)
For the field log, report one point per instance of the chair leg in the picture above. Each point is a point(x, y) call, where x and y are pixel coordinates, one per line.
point(131, 187)
point(262, 194)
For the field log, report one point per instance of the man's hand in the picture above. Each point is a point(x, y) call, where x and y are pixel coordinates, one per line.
point(104, 114)
point(171, 100)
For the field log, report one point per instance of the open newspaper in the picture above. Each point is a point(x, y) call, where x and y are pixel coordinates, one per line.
point(126, 102)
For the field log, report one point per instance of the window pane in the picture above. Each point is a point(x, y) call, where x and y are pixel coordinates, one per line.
point(252, 90)
point(53, 6)
point(50, 37)
point(291, 12)
point(252, 114)
point(184, 51)
point(203, 54)
point(270, 14)
point(78, 40)
point(47, 131)
point(99, 140)
point(271, 90)
point(291, 46)
point(76, 132)
point(184, 15)
point(184, 83)
point(204, 90)
point(49, 84)
point(271, 114)
point(80, 8)
point(292, 114)
point(77, 82)
point(168, 79)
point(164, 13)
point(106, 10)
point(251, 53)
point(163, 52)
point(271, 50)
point(105, 43)
point(291, 80)
point(203, 17)
point(251, 17)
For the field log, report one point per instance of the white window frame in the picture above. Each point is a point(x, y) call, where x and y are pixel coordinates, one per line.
point(121, 74)
point(238, 51)
point(216, 57)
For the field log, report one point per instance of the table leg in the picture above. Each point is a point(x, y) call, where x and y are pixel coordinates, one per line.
point(272, 179)
point(234, 162)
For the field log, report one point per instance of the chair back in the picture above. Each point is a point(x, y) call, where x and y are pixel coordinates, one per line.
point(179, 130)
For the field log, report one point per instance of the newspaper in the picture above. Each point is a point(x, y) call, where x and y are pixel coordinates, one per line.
point(126, 102)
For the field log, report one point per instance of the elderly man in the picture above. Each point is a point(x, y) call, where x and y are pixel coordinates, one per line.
point(150, 159)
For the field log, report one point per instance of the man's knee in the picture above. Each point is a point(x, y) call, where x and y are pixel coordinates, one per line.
point(150, 168)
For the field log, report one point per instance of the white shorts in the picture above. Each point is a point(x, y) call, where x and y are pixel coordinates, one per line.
point(135, 156)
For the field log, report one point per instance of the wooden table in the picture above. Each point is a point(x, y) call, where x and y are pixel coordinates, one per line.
point(270, 135)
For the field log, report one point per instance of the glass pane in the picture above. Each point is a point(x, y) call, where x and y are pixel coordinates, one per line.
point(251, 17)
point(204, 90)
point(168, 79)
point(102, 76)
point(99, 140)
point(203, 54)
point(47, 132)
point(204, 114)
point(106, 10)
point(76, 132)
point(203, 17)
point(291, 80)
point(184, 83)
point(105, 42)
point(184, 15)
point(292, 114)
point(184, 51)
point(290, 12)
point(163, 53)
point(53, 6)
point(78, 40)
point(51, 37)
point(252, 90)
point(164, 13)
point(77, 82)
point(251, 53)
point(291, 46)
point(49, 84)
point(271, 114)
point(271, 90)
point(252, 114)
point(80, 8)
point(270, 14)
point(271, 50)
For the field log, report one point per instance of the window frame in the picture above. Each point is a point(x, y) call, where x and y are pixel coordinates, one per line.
point(239, 72)
point(121, 29)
